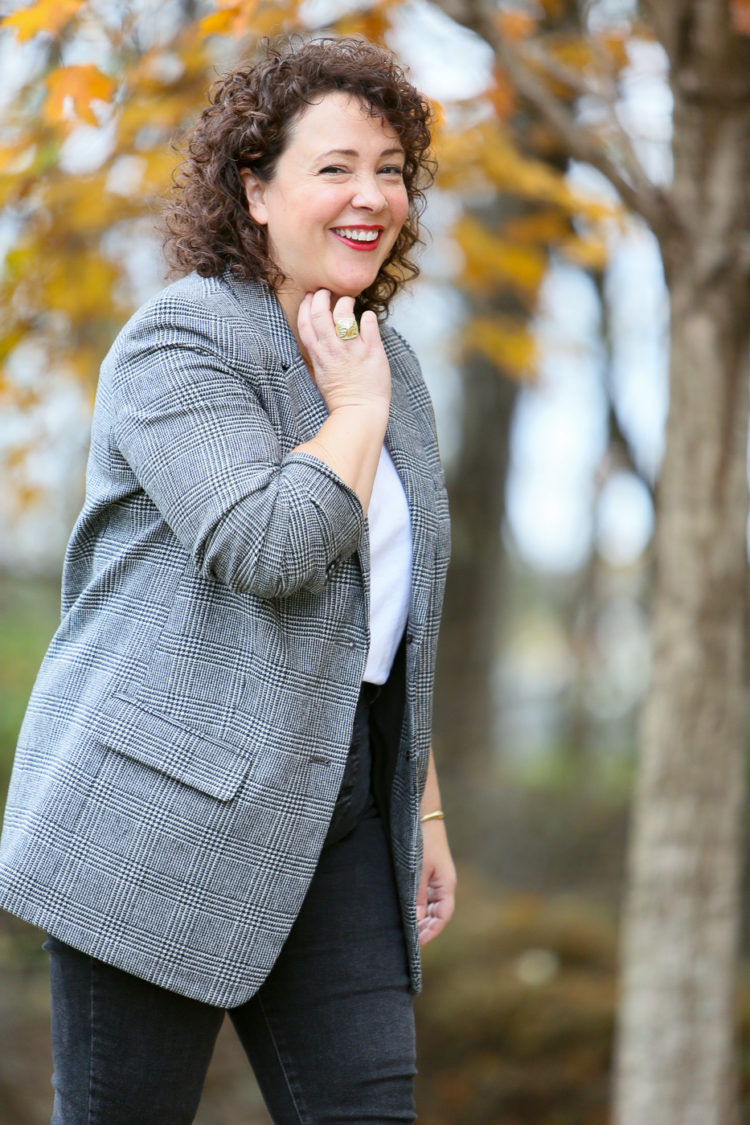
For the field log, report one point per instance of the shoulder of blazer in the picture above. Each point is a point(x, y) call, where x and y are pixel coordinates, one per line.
point(202, 313)
point(406, 367)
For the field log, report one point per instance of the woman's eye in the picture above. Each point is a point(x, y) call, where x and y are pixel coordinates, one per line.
point(392, 170)
point(331, 168)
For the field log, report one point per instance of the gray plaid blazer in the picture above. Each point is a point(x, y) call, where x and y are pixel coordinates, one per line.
point(184, 744)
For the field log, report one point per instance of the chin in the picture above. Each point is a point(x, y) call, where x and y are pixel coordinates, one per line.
point(353, 288)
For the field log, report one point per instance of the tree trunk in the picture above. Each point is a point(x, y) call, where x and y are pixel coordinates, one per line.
point(465, 696)
point(675, 1061)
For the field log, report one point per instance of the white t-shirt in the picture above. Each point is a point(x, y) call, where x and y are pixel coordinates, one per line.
point(390, 568)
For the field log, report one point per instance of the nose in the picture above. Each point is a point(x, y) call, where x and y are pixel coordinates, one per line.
point(369, 195)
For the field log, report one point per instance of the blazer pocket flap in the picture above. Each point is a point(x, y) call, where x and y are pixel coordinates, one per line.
point(165, 744)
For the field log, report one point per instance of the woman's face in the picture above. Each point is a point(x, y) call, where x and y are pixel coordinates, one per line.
point(337, 199)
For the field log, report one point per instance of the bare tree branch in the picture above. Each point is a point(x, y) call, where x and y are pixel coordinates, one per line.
point(607, 95)
point(666, 18)
point(637, 192)
point(635, 188)
point(567, 75)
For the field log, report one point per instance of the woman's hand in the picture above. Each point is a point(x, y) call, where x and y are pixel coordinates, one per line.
point(354, 378)
point(347, 372)
point(437, 887)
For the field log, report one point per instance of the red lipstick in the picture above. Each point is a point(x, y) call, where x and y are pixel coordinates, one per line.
point(357, 244)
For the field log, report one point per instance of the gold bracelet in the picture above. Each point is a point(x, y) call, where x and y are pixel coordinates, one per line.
point(437, 815)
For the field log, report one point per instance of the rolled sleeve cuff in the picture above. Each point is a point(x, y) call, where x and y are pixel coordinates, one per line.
point(342, 519)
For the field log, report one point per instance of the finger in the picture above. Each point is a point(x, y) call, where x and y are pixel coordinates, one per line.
point(304, 322)
point(320, 313)
point(343, 307)
point(343, 310)
point(431, 929)
point(428, 928)
point(439, 914)
point(427, 931)
point(369, 329)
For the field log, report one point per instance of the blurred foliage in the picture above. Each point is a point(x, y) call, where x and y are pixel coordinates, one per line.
point(29, 613)
point(516, 1020)
point(518, 1026)
point(86, 159)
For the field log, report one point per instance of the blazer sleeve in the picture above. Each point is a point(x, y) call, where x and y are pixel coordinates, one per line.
point(202, 447)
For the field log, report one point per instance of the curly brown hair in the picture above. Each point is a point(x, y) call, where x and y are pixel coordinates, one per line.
point(247, 123)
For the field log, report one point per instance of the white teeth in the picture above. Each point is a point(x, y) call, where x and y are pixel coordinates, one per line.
point(358, 235)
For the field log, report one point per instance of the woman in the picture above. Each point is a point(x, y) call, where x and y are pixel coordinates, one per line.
point(224, 796)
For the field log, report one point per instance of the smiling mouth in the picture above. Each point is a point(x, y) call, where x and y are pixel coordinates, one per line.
point(359, 238)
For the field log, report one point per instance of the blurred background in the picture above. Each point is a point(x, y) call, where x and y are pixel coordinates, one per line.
point(541, 320)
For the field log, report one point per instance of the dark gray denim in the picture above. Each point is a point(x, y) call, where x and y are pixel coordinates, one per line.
point(330, 1034)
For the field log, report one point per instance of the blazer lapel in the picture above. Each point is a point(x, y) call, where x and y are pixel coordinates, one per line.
point(404, 441)
point(264, 310)
point(309, 408)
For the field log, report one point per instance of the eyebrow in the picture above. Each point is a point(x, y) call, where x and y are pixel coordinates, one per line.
point(353, 152)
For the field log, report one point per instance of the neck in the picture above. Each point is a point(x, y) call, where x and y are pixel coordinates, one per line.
point(290, 298)
point(290, 301)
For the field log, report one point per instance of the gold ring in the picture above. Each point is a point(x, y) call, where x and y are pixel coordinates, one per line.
point(346, 328)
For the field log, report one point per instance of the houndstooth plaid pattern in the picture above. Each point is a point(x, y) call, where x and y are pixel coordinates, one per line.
point(185, 740)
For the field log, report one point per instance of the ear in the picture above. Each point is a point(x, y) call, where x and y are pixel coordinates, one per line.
point(255, 193)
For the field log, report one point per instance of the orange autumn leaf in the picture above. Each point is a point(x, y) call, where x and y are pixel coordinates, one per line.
point(438, 115)
point(372, 25)
point(515, 25)
point(232, 17)
point(49, 16)
point(81, 285)
point(159, 166)
point(573, 52)
point(275, 18)
point(542, 226)
point(8, 341)
point(507, 343)
point(489, 260)
point(82, 85)
point(218, 23)
point(554, 9)
point(17, 457)
point(15, 397)
point(84, 204)
point(590, 252)
point(238, 18)
point(615, 46)
point(16, 158)
point(502, 95)
point(27, 495)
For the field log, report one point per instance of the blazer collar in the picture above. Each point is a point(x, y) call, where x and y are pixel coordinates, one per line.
point(405, 443)
point(262, 306)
